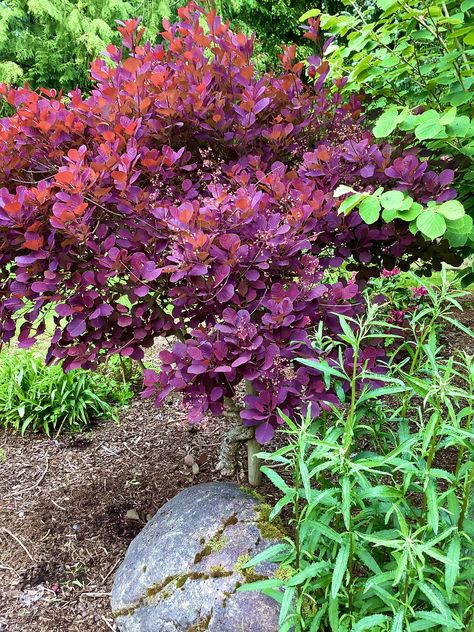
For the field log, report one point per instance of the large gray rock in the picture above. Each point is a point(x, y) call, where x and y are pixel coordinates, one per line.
point(181, 573)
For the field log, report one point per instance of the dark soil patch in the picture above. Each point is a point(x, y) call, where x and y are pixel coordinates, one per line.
point(70, 507)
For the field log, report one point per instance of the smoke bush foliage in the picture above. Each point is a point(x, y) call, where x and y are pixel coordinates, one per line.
point(188, 196)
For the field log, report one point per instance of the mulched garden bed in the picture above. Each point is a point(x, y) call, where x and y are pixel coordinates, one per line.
point(70, 507)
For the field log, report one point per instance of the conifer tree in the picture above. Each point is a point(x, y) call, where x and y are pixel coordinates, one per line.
point(52, 42)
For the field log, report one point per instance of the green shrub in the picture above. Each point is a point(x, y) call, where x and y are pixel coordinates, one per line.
point(413, 61)
point(380, 489)
point(45, 399)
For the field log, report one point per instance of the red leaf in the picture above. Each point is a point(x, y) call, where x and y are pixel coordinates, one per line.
point(65, 177)
point(132, 64)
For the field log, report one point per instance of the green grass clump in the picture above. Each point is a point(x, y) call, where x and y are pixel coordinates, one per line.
point(43, 398)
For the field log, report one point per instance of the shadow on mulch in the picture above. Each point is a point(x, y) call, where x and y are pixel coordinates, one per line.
point(70, 507)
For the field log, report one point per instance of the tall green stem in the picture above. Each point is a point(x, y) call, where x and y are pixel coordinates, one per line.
point(466, 497)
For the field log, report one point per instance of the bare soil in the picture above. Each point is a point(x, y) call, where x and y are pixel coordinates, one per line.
point(70, 507)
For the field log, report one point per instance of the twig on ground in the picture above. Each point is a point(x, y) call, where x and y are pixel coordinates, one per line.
point(108, 624)
point(19, 542)
point(28, 489)
point(130, 450)
point(104, 579)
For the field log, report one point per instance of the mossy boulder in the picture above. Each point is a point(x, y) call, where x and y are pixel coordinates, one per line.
point(181, 573)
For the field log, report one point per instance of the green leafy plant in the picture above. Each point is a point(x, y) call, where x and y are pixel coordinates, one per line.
point(45, 399)
point(382, 531)
point(413, 61)
point(51, 44)
point(446, 219)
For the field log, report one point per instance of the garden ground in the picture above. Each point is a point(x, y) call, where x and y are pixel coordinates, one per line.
point(70, 507)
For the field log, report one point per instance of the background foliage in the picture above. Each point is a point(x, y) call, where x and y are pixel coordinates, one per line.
point(414, 63)
point(45, 399)
point(51, 43)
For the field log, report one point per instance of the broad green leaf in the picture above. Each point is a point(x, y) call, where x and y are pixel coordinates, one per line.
point(452, 209)
point(431, 224)
point(312, 13)
point(459, 127)
point(369, 210)
point(427, 130)
point(386, 123)
point(467, 4)
point(411, 213)
point(386, 4)
point(349, 203)
point(342, 189)
point(448, 117)
point(392, 200)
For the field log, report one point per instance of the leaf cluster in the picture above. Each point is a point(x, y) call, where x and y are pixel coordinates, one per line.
point(45, 399)
point(383, 528)
point(413, 61)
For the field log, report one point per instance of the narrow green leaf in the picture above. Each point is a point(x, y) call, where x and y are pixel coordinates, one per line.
point(316, 622)
point(267, 554)
point(260, 585)
point(346, 501)
point(459, 325)
point(397, 625)
point(435, 598)
point(333, 614)
point(286, 603)
point(432, 504)
point(451, 571)
point(437, 619)
point(313, 570)
point(340, 566)
point(369, 622)
point(276, 479)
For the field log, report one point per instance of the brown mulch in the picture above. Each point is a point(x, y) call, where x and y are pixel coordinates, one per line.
point(70, 507)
